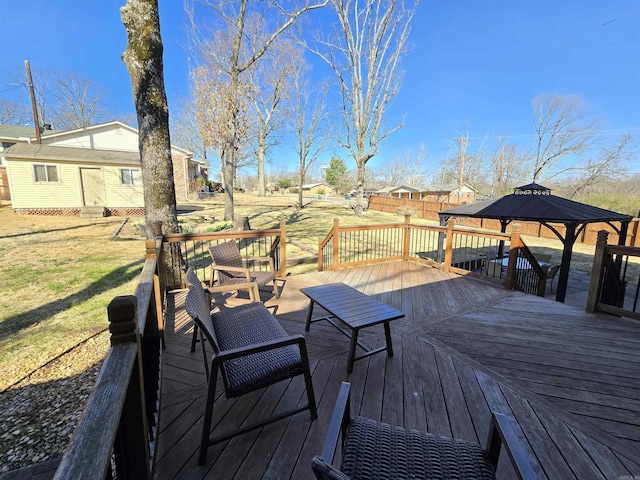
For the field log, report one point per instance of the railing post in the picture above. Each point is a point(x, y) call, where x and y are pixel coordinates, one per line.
point(283, 248)
point(596, 271)
point(131, 446)
point(407, 237)
point(514, 244)
point(336, 243)
point(448, 252)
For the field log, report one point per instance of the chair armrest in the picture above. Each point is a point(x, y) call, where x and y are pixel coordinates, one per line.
point(501, 432)
point(263, 260)
point(250, 287)
point(258, 347)
point(215, 267)
point(339, 422)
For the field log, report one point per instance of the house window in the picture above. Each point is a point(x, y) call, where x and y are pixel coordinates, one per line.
point(130, 176)
point(45, 173)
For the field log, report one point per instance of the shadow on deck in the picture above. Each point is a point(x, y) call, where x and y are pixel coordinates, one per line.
point(463, 349)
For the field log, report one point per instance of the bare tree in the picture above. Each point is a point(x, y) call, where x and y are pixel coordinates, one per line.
point(407, 168)
point(12, 113)
point(310, 123)
point(610, 163)
point(271, 85)
point(508, 166)
point(365, 56)
point(143, 58)
point(78, 103)
point(562, 130)
point(237, 59)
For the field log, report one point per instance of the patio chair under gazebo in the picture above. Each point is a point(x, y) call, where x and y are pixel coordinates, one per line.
point(534, 203)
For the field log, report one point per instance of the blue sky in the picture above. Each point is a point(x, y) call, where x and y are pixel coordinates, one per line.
point(473, 65)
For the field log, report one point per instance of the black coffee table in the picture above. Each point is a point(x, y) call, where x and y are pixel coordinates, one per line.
point(354, 310)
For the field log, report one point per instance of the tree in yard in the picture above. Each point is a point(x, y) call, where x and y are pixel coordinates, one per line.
point(143, 58)
point(12, 113)
point(609, 164)
point(67, 101)
point(336, 174)
point(310, 122)
point(365, 56)
point(562, 130)
point(240, 55)
point(270, 86)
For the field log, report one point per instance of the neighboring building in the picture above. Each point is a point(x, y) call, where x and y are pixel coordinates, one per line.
point(400, 191)
point(316, 189)
point(96, 166)
point(431, 193)
point(448, 194)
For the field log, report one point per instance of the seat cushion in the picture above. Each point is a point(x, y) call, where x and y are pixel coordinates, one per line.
point(376, 450)
point(247, 325)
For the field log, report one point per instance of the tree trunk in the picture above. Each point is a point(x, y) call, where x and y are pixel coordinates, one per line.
point(300, 199)
point(143, 58)
point(359, 203)
point(261, 156)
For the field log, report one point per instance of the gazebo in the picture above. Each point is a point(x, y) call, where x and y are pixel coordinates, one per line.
point(534, 203)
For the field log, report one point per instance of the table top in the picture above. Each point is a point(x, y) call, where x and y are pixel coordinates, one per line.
point(351, 306)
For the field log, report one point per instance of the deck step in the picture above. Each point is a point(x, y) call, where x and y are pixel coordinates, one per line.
point(93, 211)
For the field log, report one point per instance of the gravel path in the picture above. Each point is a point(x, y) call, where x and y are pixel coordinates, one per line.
point(39, 414)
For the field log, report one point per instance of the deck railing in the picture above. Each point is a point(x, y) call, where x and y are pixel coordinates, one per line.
point(193, 250)
point(615, 279)
point(489, 255)
point(116, 435)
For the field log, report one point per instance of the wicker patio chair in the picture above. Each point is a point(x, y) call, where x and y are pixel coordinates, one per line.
point(228, 263)
point(250, 350)
point(373, 450)
point(551, 273)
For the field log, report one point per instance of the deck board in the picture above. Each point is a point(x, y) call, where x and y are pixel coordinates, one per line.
point(464, 348)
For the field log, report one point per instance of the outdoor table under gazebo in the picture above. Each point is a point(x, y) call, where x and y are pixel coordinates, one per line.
point(534, 203)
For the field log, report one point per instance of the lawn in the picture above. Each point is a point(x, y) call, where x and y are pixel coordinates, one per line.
point(59, 273)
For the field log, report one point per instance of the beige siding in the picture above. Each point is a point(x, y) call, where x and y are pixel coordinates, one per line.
point(26, 193)
point(119, 195)
point(106, 138)
point(67, 193)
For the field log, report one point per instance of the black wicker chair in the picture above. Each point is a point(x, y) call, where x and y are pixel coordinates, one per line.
point(250, 349)
point(373, 450)
point(229, 265)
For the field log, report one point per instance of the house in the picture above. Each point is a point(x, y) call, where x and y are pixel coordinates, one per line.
point(96, 166)
point(448, 194)
point(316, 188)
point(400, 191)
point(431, 193)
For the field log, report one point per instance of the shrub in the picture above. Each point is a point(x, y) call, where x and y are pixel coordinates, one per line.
point(219, 226)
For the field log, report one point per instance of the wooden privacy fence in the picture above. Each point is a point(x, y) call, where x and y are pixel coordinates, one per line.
point(116, 435)
point(430, 210)
point(615, 279)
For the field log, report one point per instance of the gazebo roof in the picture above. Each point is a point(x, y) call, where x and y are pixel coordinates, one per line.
point(535, 203)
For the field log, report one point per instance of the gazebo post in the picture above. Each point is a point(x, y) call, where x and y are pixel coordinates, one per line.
point(563, 279)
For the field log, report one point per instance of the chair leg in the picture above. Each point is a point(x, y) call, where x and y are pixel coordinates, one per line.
point(311, 398)
point(194, 338)
point(208, 414)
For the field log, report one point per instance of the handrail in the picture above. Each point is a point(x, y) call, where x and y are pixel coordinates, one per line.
point(610, 278)
point(192, 250)
point(120, 418)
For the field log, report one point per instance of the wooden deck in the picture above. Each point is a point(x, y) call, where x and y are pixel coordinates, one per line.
point(464, 348)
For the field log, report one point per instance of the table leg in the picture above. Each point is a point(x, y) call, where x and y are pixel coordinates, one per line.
point(308, 324)
point(387, 333)
point(352, 350)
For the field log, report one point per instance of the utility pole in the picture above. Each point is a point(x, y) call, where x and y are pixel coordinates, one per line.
point(462, 150)
point(34, 108)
